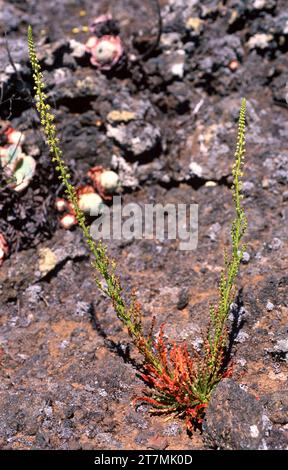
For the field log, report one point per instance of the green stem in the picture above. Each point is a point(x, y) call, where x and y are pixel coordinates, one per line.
point(101, 262)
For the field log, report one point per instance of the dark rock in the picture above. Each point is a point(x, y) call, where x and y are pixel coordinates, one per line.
point(26, 267)
point(278, 440)
point(234, 419)
point(180, 101)
point(69, 61)
point(106, 27)
point(277, 406)
point(183, 299)
point(138, 139)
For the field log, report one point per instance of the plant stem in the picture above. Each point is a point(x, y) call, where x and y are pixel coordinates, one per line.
point(102, 264)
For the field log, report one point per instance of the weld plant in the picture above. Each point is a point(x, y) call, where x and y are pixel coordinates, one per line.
point(181, 380)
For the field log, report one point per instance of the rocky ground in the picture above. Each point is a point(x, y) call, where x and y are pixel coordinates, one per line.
point(67, 375)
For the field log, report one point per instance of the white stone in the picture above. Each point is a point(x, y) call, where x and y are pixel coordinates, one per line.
point(254, 431)
point(10, 69)
point(259, 4)
point(78, 49)
point(196, 169)
point(259, 40)
point(269, 306)
point(210, 184)
point(178, 69)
